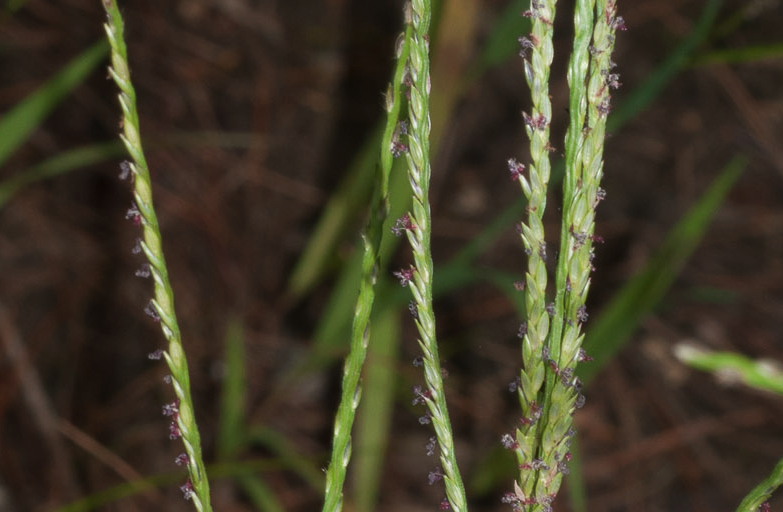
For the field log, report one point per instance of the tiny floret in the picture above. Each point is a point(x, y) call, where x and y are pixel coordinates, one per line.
point(525, 44)
point(174, 431)
point(404, 275)
point(431, 445)
point(581, 314)
point(152, 312)
point(134, 215)
point(538, 122)
point(171, 409)
point(414, 310)
point(143, 271)
point(402, 225)
point(508, 442)
point(515, 169)
point(398, 148)
point(187, 490)
point(125, 170)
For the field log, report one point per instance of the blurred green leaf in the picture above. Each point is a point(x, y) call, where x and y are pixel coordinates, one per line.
point(127, 489)
point(643, 292)
point(79, 158)
point(502, 42)
point(62, 163)
point(286, 455)
point(577, 489)
point(746, 54)
point(675, 61)
point(231, 434)
point(340, 213)
point(731, 367)
point(374, 421)
point(259, 494)
point(17, 124)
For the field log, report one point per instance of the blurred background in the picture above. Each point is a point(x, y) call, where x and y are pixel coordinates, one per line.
point(259, 119)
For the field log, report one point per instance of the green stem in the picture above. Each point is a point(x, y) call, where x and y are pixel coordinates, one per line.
point(360, 332)
point(418, 14)
point(184, 421)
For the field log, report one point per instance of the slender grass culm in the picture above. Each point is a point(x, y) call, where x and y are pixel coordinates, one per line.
point(417, 223)
point(360, 331)
point(161, 307)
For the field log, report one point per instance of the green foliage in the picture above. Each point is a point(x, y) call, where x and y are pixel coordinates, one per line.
point(730, 367)
point(644, 291)
point(17, 124)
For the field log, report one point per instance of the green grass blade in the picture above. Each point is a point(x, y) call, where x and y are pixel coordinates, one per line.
point(126, 489)
point(374, 422)
point(338, 215)
point(643, 292)
point(732, 367)
point(14, 5)
point(763, 491)
point(577, 490)
point(62, 163)
point(738, 55)
point(501, 43)
point(120, 491)
point(259, 494)
point(78, 158)
point(17, 124)
point(286, 455)
point(663, 74)
point(230, 437)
